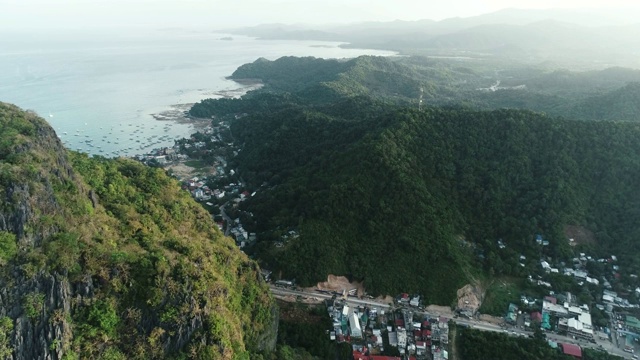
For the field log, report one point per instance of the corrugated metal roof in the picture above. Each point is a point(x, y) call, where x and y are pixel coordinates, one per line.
point(573, 350)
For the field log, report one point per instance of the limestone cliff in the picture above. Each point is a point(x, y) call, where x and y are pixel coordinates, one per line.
point(110, 259)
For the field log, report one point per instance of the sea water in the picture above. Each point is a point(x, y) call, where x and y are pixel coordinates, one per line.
point(100, 91)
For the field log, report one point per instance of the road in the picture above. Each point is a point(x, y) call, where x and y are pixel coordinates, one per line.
point(475, 324)
point(350, 300)
point(606, 344)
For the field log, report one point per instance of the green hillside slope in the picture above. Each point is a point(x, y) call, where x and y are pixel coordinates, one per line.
point(619, 104)
point(109, 259)
point(608, 94)
point(420, 201)
point(389, 195)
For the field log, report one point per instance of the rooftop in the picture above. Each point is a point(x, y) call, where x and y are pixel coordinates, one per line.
point(550, 307)
point(573, 350)
point(632, 321)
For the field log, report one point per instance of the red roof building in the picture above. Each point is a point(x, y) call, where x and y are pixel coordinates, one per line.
point(551, 299)
point(572, 350)
point(399, 323)
point(425, 324)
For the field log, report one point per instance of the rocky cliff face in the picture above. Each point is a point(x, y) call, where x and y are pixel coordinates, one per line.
point(35, 336)
point(25, 196)
point(105, 258)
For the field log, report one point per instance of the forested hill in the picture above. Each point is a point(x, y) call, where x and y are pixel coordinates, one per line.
point(420, 200)
point(311, 81)
point(620, 104)
point(408, 200)
point(608, 94)
point(109, 259)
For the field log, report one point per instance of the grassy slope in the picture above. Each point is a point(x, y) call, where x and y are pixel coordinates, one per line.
point(158, 267)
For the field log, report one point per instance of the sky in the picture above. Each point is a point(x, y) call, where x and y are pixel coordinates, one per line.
point(217, 14)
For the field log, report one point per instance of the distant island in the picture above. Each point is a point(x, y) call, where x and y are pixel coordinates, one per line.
point(226, 38)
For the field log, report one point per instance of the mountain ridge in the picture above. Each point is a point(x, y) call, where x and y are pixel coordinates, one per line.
point(574, 38)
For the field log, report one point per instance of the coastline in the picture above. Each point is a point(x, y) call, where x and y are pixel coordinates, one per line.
point(179, 113)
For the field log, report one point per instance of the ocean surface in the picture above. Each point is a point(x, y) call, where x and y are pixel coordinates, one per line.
point(104, 94)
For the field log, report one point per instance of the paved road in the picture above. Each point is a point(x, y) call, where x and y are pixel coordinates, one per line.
point(350, 300)
point(475, 324)
point(606, 344)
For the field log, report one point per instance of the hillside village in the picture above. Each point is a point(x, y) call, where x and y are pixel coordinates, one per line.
point(221, 191)
point(217, 187)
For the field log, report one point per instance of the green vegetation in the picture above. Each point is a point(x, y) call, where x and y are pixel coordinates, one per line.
point(610, 94)
point(590, 354)
point(416, 201)
point(499, 295)
point(405, 187)
point(302, 335)
point(6, 326)
point(8, 247)
point(33, 304)
point(195, 164)
point(475, 344)
point(160, 281)
point(405, 200)
point(306, 327)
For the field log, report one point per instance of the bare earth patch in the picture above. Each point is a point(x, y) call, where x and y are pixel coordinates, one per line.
point(340, 284)
point(580, 235)
point(181, 171)
point(470, 298)
point(388, 299)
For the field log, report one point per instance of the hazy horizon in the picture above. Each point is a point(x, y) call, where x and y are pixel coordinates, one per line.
point(38, 15)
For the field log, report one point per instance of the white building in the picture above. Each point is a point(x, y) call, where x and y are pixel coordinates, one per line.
point(580, 326)
point(393, 339)
point(402, 338)
point(354, 322)
point(378, 334)
point(555, 309)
